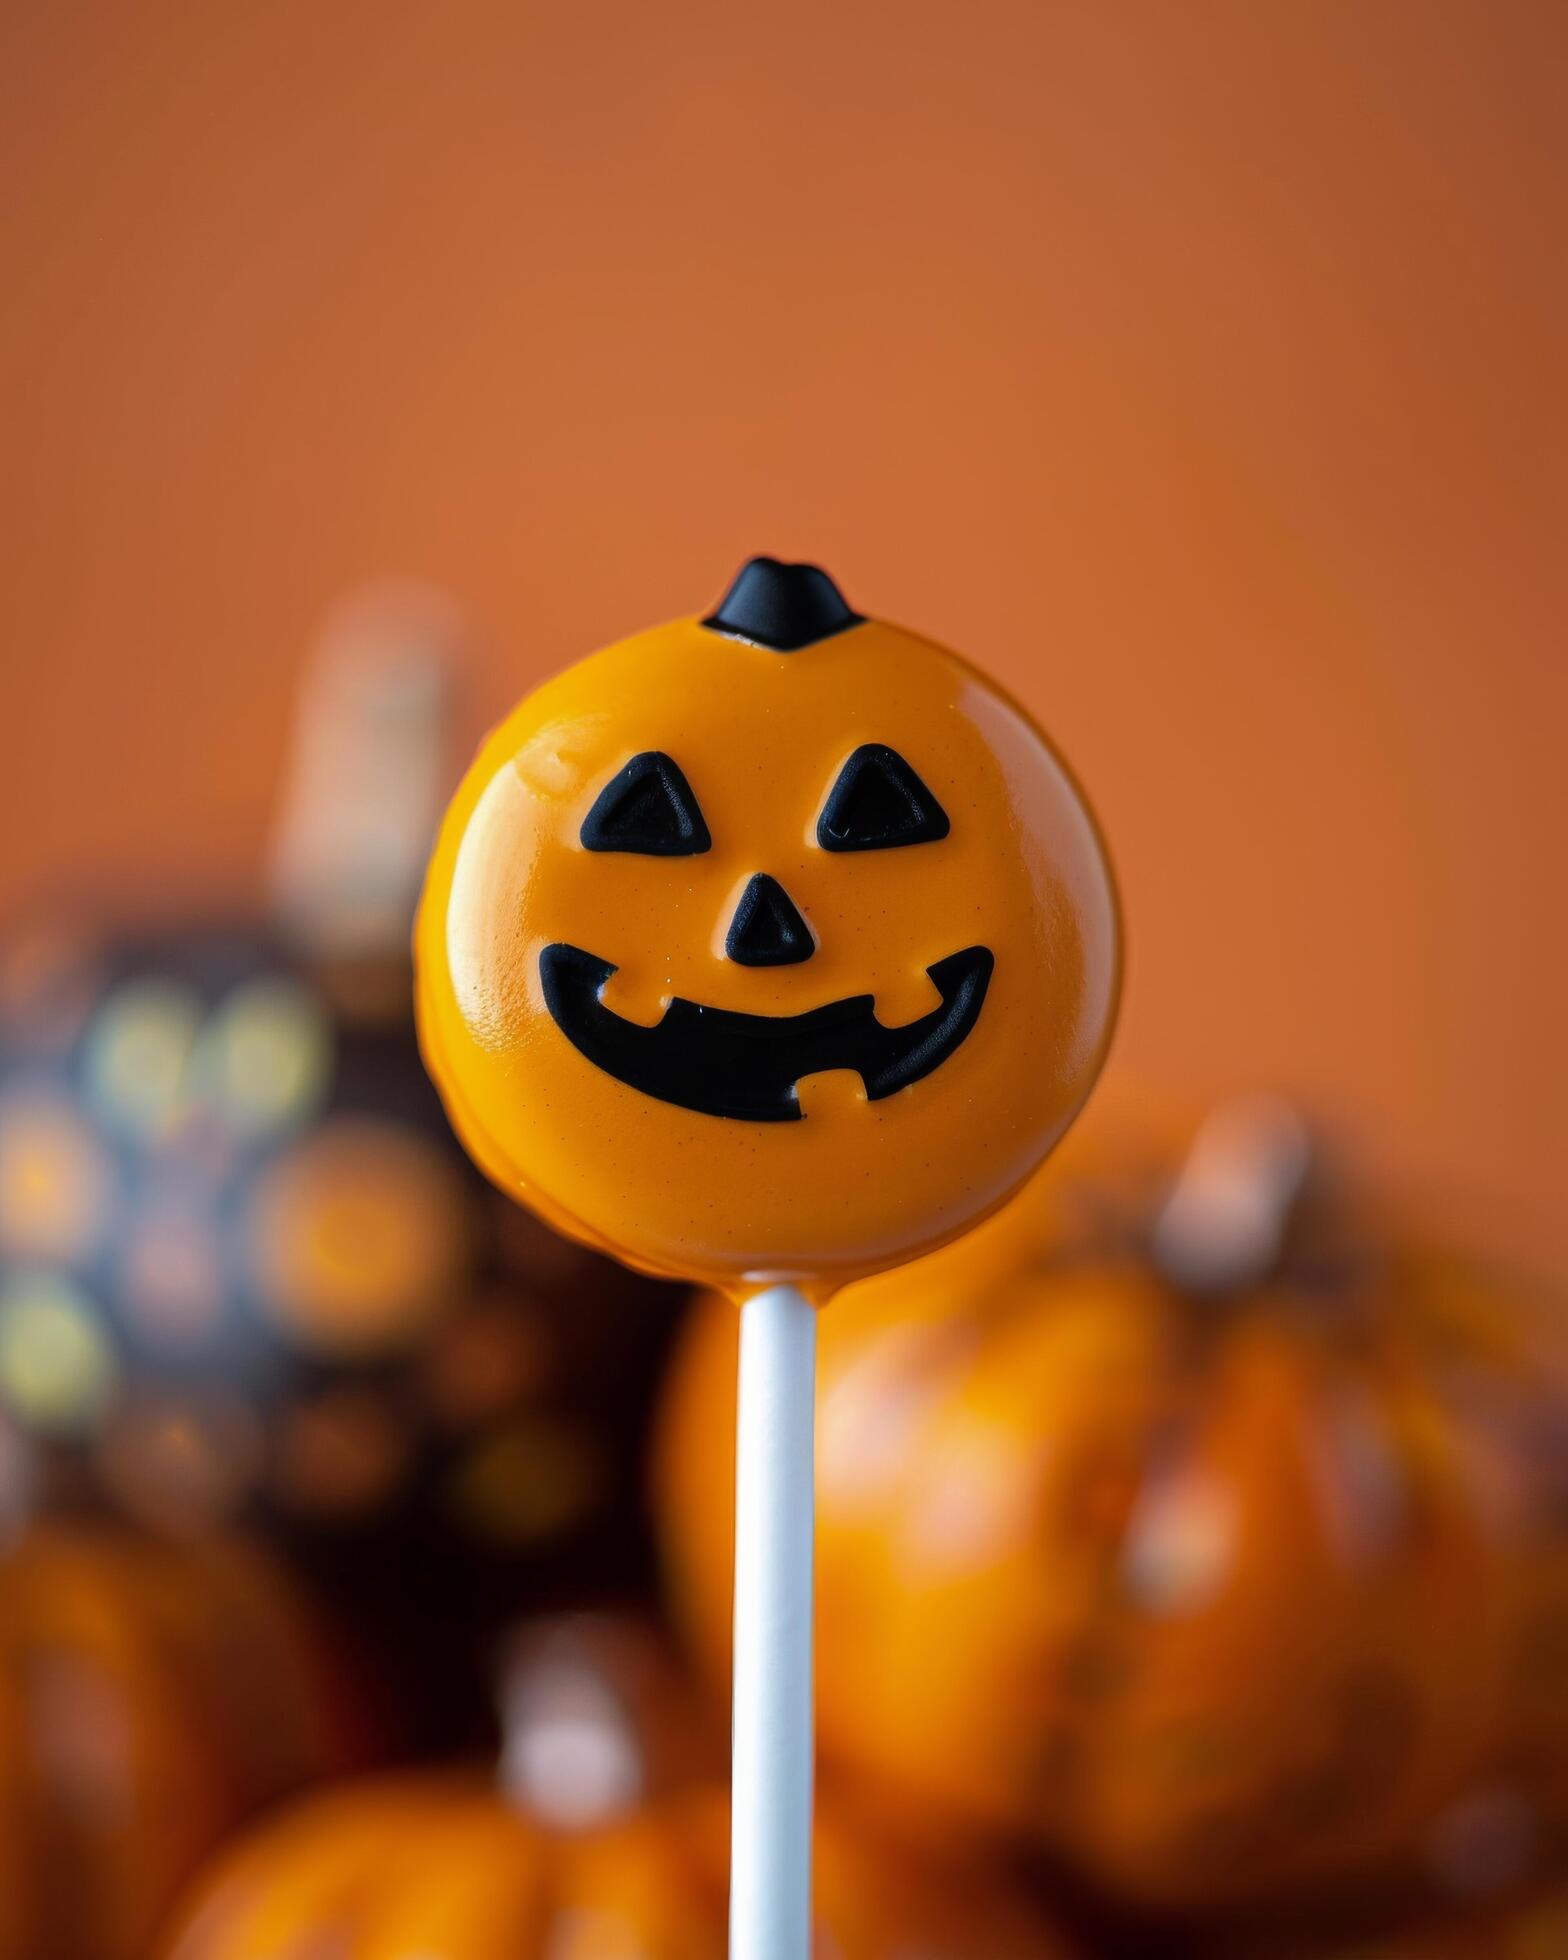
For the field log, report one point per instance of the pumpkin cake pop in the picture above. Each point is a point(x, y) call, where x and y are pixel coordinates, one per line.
point(769, 949)
point(774, 945)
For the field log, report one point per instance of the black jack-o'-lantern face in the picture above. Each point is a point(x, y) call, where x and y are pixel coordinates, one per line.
point(782, 895)
point(724, 1062)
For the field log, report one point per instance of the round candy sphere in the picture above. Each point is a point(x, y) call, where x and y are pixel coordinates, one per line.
point(775, 945)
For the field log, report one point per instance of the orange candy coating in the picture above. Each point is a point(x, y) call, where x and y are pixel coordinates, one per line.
point(856, 1182)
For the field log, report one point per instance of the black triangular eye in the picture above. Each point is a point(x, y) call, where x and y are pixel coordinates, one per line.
point(879, 803)
point(648, 808)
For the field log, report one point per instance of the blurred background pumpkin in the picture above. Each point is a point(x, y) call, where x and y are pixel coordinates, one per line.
point(151, 1698)
point(604, 1835)
point(1160, 1527)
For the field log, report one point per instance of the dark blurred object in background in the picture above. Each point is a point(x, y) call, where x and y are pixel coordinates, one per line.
point(604, 1837)
point(1195, 1521)
point(245, 1273)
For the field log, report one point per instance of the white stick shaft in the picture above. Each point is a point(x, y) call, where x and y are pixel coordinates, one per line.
point(770, 1830)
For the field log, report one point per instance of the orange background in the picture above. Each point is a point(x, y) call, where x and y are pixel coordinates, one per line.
point(1197, 367)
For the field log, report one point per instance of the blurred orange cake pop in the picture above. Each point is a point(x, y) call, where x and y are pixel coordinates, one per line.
point(776, 945)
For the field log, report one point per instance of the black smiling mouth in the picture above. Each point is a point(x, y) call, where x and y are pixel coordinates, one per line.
point(721, 1063)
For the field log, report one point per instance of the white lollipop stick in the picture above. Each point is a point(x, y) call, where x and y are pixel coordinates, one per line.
point(773, 1742)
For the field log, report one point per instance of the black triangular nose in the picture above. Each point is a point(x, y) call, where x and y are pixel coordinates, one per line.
point(767, 930)
point(782, 607)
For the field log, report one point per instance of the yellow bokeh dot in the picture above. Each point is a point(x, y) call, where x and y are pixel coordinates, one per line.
point(266, 1057)
point(138, 1055)
point(57, 1368)
point(360, 1238)
point(54, 1181)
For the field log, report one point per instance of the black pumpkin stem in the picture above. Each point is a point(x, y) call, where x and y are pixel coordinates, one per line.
point(782, 607)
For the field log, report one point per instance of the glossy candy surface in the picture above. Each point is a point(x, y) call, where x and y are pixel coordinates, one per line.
point(777, 945)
